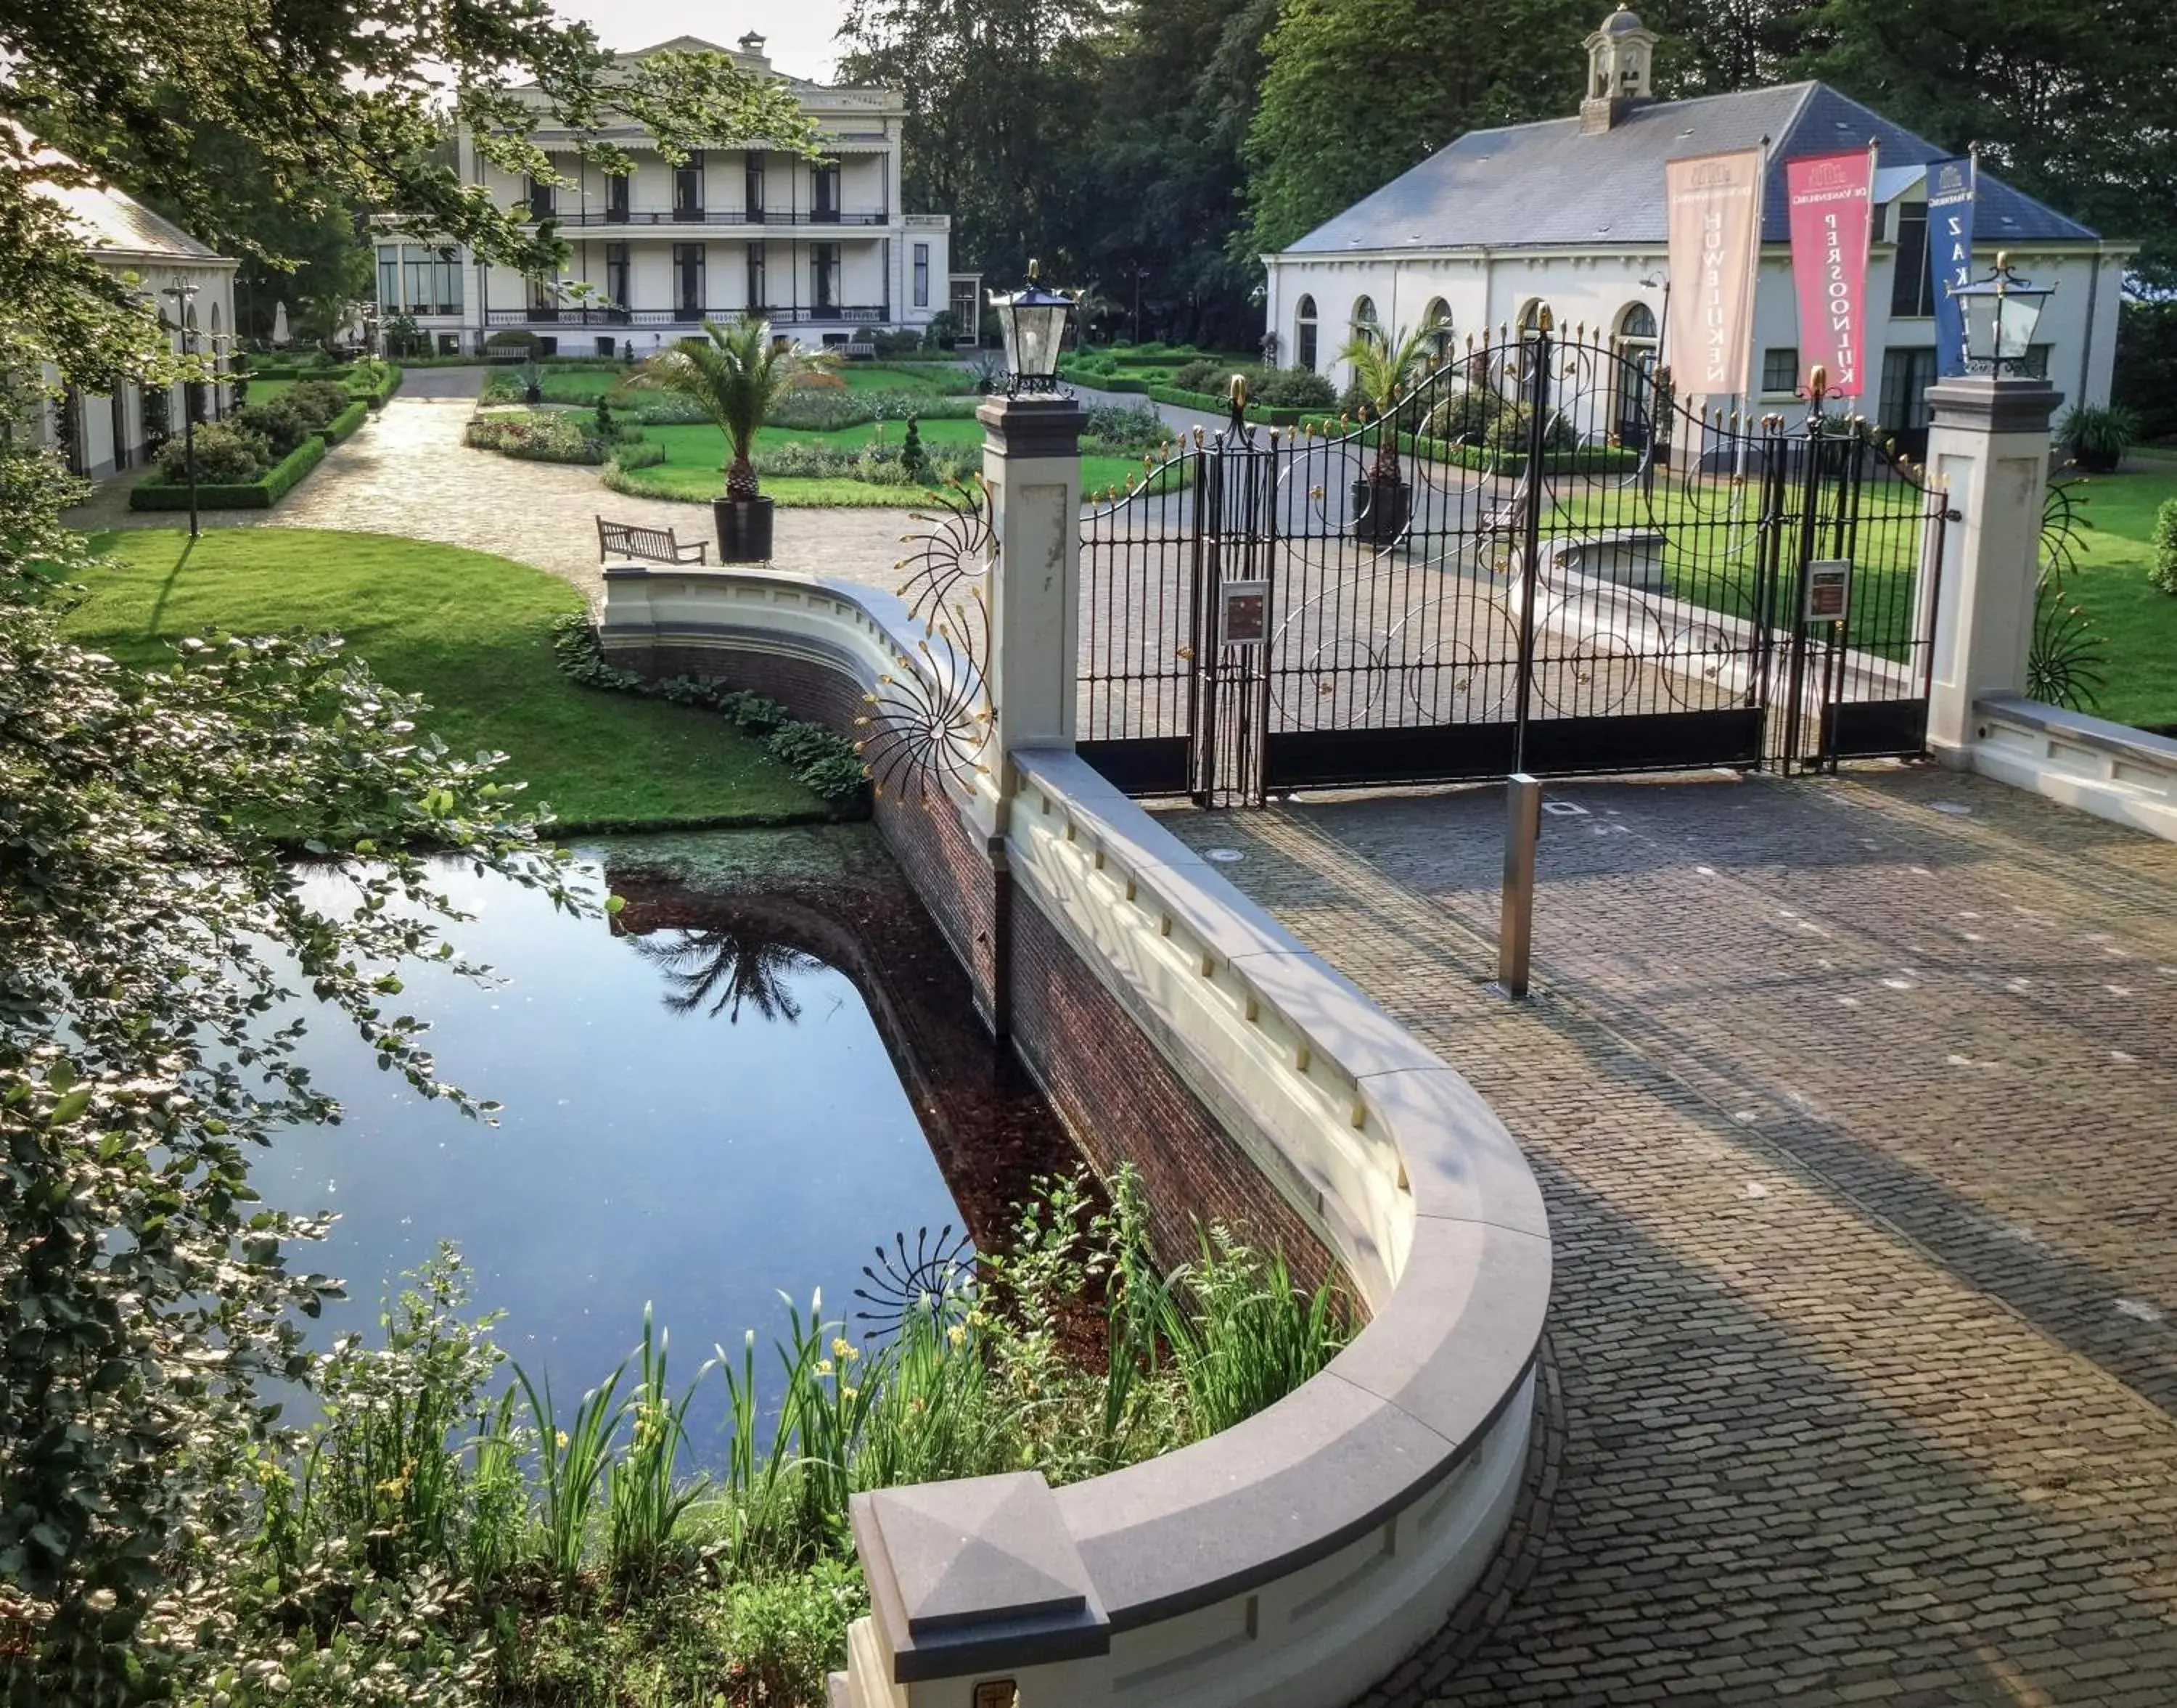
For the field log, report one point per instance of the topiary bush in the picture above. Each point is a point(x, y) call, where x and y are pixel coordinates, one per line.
point(281, 423)
point(227, 454)
point(318, 401)
point(2163, 571)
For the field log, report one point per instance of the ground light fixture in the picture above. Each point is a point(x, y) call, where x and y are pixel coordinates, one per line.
point(1033, 321)
point(2000, 312)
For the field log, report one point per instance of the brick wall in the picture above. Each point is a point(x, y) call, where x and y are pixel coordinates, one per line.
point(1119, 1100)
point(1122, 1103)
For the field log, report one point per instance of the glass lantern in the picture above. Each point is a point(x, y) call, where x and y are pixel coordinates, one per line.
point(2001, 313)
point(1033, 321)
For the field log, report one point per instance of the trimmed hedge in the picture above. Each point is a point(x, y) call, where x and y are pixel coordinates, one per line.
point(346, 423)
point(262, 494)
point(378, 395)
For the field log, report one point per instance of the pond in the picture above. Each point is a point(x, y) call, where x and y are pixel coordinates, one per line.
point(740, 1087)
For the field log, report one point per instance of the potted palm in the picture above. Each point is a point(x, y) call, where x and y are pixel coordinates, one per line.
point(737, 377)
point(1384, 368)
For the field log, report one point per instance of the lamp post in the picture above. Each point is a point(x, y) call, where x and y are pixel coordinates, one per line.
point(184, 295)
point(2000, 312)
point(1033, 322)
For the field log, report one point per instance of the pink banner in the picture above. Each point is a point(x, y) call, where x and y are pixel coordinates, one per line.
point(1832, 204)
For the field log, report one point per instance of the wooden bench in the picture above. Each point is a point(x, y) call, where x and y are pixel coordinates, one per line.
point(630, 540)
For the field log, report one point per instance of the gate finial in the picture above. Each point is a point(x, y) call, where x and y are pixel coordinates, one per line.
point(1239, 400)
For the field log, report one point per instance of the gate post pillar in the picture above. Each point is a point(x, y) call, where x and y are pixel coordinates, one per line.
point(1987, 443)
point(1032, 468)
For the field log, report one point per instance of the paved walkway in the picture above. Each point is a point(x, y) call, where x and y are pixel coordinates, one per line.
point(407, 472)
point(1855, 1105)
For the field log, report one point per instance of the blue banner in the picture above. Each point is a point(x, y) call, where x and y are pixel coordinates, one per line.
point(1951, 185)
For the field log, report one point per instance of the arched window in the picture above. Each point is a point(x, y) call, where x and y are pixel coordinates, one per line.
point(1437, 315)
point(1636, 325)
point(218, 367)
point(1633, 380)
point(1304, 350)
point(1365, 324)
point(1532, 314)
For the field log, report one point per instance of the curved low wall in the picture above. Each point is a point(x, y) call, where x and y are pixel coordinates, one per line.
point(1297, 1557)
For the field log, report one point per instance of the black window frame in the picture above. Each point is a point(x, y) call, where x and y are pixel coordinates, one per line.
point(688, 264)
point(1780, 360)
point(758, 286)
point(620, 269)
point(826, 267)
point(752, 188)
point(921, 275)
point(688, 190)
point(1911, 284)
point(541, 196)
point(824, 194)
point(617, 192)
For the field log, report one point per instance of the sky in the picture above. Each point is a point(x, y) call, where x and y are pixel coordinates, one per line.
point(799, 37)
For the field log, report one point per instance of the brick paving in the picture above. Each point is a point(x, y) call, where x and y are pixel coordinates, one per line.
point(1855, 1104)
point(407, 472)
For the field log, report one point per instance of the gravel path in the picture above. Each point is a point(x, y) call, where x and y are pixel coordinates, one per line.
point(407, 472)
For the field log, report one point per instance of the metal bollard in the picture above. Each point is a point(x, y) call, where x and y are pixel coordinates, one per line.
point(1523, 826)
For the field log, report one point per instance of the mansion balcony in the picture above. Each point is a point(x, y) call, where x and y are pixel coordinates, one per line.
point(757, 218)
point(802, 314)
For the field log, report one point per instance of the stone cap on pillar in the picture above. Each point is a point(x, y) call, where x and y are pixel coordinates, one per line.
point(1986, 403)
point(979, 1570)
point(1026, 427)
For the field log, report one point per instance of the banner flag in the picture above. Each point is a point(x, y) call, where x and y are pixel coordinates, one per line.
point(1832, 206)
point(1951, 184)
point(1714, 207)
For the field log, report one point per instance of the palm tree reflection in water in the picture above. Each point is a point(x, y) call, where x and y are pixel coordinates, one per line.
point(715, 969)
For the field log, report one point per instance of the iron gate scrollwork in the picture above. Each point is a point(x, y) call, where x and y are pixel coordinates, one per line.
point(1487, 577)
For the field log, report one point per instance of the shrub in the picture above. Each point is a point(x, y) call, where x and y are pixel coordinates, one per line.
point(896, 342)
point(2163, 570)
point(1272, 388)
point(812, 411)
point(785, 1632)
point(318, 401)
point(1124, 429)
point(943, 332)
point(282, 425)
point(346, 423)
point(637, 454)
point(227, 454)
point(2095, 438)
point(912, 456)
point(514, 341)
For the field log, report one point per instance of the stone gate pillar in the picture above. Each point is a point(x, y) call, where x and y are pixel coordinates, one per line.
point(1032, 465)
point(1987, 443)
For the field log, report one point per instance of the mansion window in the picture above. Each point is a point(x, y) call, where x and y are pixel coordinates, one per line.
point(688, 190)
point(616, 188)
point(752, 189)
point(824, 274)
point(418, 279)
point(1304, 335)
point(616, 275)
point(1780, 367)
point(758, 296)
point(922, 275)
point(539, 192)
point(1912, 290)
point(1365, 324)
point(826, 211)
point(688, 280)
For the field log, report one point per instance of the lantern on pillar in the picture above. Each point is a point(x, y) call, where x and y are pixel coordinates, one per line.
point(1033, 321)
point(2001, 312)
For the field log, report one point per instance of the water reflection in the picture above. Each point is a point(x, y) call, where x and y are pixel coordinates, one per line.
point(713, 971)
point(699, 1112)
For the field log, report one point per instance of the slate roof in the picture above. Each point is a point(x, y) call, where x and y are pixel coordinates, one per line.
point(115, 220)
point(1542, 184)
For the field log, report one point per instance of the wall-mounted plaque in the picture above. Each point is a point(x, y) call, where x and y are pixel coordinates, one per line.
point(1828, 590)
point(997, 1693)
point(1245, 614)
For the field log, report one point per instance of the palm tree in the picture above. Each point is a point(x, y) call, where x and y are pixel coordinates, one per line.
point(738, 378)
point(715, 969)
point(1384, 369)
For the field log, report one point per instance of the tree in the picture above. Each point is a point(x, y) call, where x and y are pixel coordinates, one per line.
point(150, 909)
point(1356, 91)
point(2074, 101)
point(738, 377)
point(1001, 97)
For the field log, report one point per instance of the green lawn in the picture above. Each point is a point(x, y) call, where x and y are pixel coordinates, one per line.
point(472, 633)
point(2139, 619)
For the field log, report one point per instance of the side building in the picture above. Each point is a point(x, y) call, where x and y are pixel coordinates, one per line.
point(823, 250)
point(99, 433)
point(1568, 214)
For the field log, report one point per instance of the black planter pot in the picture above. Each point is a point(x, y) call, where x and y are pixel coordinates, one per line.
point(533, 395)
point(744, 529)
point(1380, 510)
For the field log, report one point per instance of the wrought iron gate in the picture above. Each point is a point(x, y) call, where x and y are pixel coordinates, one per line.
point(1536, 559)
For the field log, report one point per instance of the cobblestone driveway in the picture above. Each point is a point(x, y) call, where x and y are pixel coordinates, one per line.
point(1855, 1105)
point(407, 472)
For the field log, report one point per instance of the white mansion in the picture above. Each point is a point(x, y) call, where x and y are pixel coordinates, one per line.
point(101, 433)
point(820, 249)
point(1569, 213)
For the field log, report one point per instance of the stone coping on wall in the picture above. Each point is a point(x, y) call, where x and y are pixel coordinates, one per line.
point(1298, 1555)
point(2115, 771)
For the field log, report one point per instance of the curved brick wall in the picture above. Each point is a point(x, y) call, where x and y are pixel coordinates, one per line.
point(1299, 1557)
